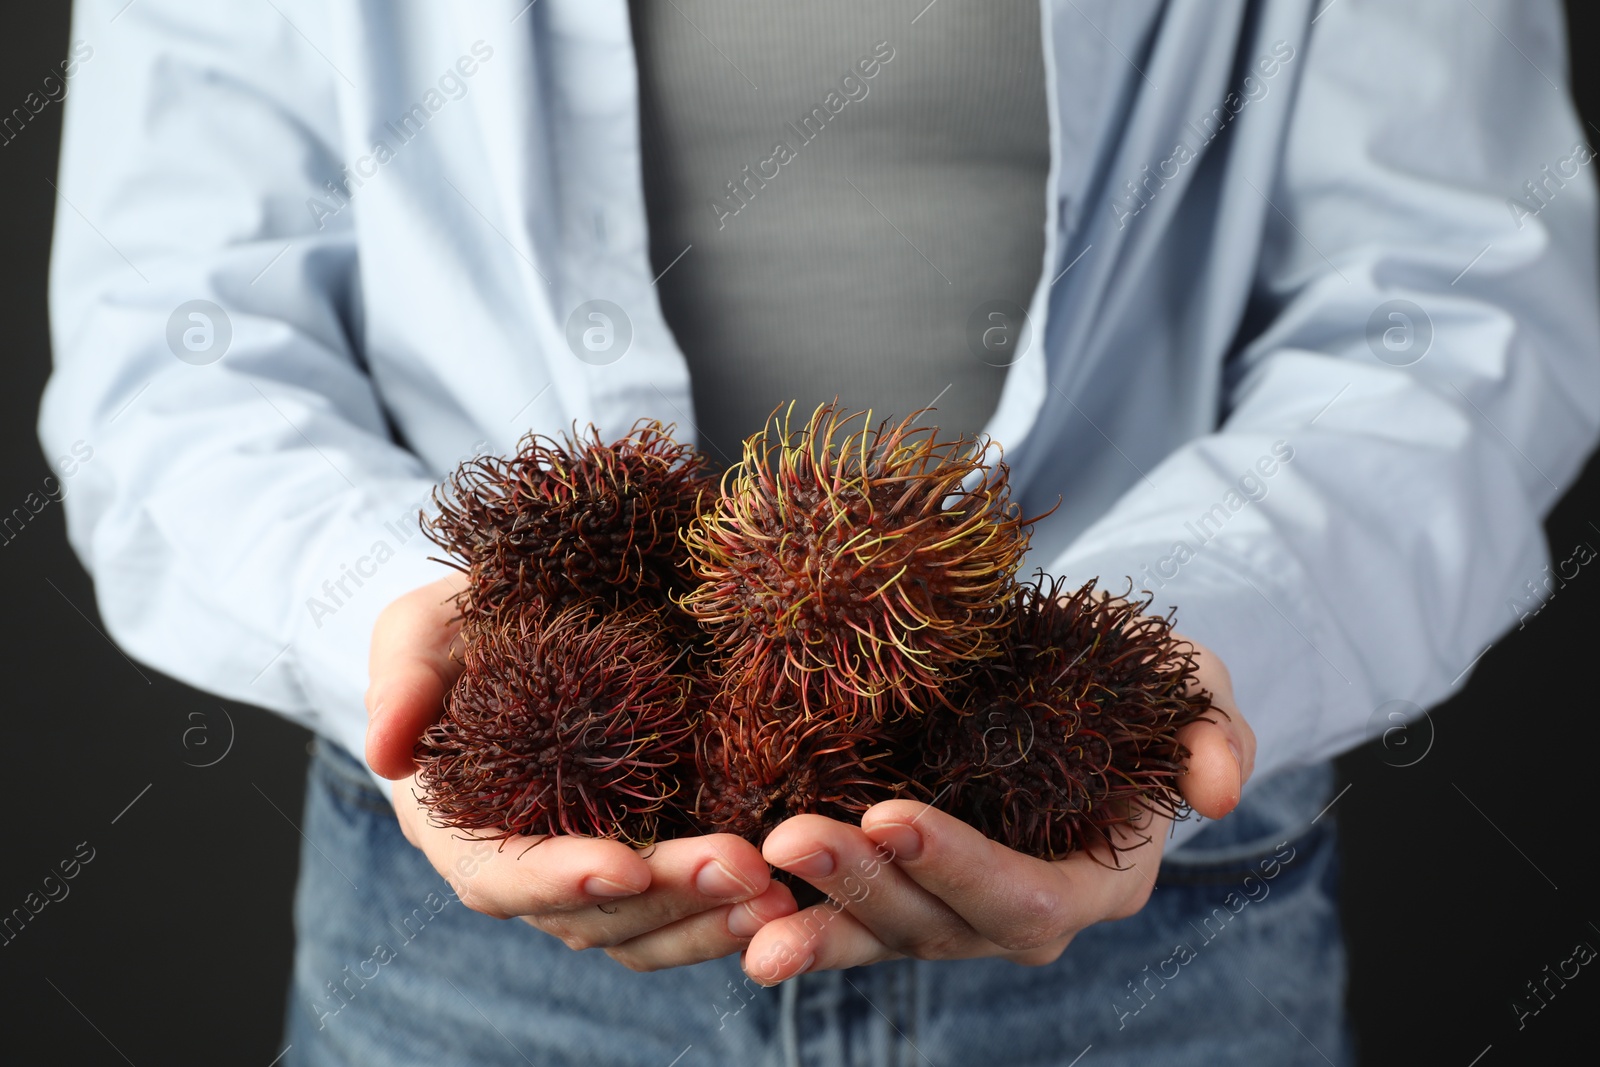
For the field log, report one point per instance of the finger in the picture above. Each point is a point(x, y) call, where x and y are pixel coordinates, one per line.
point(521, 876)
point(552, 876)
point(821, 938)
point(843, 862)
point(1126, 864)
point(1018, 902)
point(1214, 778)
point(709, 935)
point(687, 876)
point(411, 670)
point(1223, 749)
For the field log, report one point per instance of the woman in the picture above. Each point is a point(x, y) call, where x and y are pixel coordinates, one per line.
point(1290, 305)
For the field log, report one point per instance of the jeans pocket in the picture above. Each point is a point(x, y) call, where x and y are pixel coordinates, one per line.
point(1284, 863)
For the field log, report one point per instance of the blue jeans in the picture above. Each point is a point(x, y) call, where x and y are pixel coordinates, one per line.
point(1236, 960)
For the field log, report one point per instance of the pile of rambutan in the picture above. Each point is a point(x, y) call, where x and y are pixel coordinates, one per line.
point(649, 652)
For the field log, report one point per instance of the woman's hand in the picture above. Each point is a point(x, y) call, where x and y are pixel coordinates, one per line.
point(676, 903)
point(914, 881)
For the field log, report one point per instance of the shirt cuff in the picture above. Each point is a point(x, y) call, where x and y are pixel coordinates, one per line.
point(383, 555)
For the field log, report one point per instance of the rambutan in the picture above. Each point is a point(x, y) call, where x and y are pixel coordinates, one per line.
point(839, 623)
point(755, 769)
point(857, 569)
point(563, 520)
point(1071, 731)
point(564, 721)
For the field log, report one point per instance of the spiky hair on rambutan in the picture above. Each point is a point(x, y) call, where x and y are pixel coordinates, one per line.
point(858, 568)
point(564, 721)
point(1071, 731)
point(756, 768)
point(570, 518)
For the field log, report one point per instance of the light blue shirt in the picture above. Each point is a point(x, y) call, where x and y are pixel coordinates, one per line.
point(1314, 346)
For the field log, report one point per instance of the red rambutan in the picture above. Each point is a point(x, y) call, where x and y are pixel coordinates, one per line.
point(858, 570)
point(564, 520)
point(754, 770)
point(1071, 731)
point(840, 625)
point(565, 721)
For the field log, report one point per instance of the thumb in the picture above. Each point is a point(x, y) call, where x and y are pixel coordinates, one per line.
point(1213, 780)
point(1222, 751)
point(412, 668)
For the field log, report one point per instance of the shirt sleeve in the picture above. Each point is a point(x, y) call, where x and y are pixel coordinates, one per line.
point(245, 511)
point(1422, 384)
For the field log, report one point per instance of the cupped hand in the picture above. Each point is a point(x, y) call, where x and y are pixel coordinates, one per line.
point(677, 902)
point(914, 881)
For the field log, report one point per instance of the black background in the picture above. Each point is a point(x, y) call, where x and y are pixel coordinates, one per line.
point(175, 941)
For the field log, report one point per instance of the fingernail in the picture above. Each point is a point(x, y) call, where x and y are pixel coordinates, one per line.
point(899, 838)
point(743, 921)
point(715, 880)
point(1238, 789)
point(771, 978)
point(596, 886)
point(818, 864)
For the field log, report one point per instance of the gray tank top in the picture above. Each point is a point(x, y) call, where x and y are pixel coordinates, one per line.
point(841, 200)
